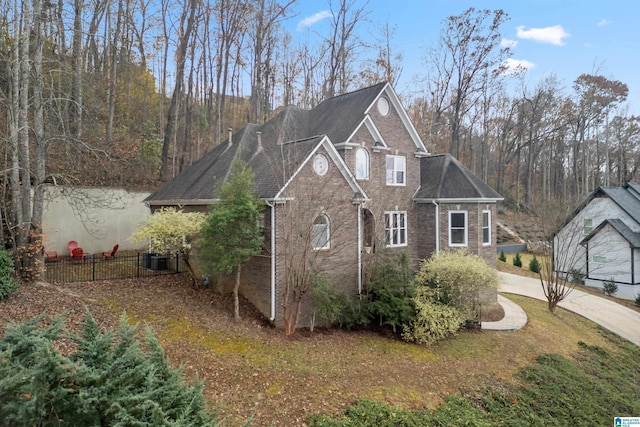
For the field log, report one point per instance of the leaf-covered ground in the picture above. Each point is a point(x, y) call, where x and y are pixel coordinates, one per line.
point(252, 371)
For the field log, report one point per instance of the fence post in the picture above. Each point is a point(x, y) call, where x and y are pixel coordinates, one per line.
point(138, 265)
point(177, 261)
point(93, 268)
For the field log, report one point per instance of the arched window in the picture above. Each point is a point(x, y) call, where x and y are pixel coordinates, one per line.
point(320, 233)
point(362, 164)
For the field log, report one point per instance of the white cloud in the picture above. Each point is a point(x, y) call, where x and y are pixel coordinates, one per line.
point(310, 20)
point(553, 35)
point(604, 22)
point(513, 66)
point(508, 43)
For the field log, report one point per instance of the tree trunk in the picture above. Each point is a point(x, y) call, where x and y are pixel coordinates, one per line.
point(75, 119)
point(177, 91)
point(236, 299)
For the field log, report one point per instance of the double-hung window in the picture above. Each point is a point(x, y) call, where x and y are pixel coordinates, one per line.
point(486, 227)
point(321, 233)
point(395, 229)
point(457, 228)
point(396, 170)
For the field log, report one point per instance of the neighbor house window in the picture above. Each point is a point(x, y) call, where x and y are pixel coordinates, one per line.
point(396, 170)
point(486, 227)
point(458, 228)
point(588, 226)
point(395, 228)
point(362, 164)
point(320, 233)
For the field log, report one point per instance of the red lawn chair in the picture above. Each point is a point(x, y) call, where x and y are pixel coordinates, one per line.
point(112, 253)
point(51, 256)
point(77, 254)
point(72, 245)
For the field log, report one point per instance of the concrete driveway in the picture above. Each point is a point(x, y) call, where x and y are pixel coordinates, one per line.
point(610, 315)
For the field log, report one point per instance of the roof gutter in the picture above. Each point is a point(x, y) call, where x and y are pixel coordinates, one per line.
point(461, 200)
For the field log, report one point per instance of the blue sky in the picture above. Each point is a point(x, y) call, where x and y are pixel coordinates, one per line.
point(562, 37)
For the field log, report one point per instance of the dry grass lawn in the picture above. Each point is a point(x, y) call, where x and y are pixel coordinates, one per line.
point(251, 370)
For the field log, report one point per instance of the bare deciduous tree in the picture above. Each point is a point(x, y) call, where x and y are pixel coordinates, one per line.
point(469, 47)
point(342, 44)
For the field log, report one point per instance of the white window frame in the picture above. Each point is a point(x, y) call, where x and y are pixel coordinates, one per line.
point(587, 226)
point(359, 161)
point(399, 166)
point(486, 226)
point(395, 229)
point(320, 230)
point(465, 228)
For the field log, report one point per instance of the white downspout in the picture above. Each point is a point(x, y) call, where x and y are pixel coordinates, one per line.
point(359, 249)
point(273, 260)
point(437, 207)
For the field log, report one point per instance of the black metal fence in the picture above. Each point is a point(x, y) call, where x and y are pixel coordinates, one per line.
point(122, 266)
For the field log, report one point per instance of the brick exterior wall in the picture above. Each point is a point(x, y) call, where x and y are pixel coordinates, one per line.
point(426, 212)
point(383, 197)
point(474, 229)
point(309, 195)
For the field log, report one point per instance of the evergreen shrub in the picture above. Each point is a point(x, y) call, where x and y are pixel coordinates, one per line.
point(8, 281)
point(577, 276)
point(110, 379)
point(447, 289)
point(517, 261)
point(502, 257)
point(534, 265)
point(390, 293)
point(609, 287)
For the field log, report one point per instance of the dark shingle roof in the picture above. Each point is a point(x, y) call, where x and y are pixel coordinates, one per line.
point(625, 199)
point(630, 236)
point(634, 188)
point(273, 160)
point(443, 177)
point(339, 116)
point(286, 140)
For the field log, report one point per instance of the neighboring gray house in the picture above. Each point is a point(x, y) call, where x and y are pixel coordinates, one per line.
point(344, 182)
point(603, 237)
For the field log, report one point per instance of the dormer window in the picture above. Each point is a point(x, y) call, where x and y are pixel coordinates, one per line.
point(362, 164)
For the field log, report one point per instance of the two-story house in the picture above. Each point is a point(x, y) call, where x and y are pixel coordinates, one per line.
point(601, 239)
point(344, 182)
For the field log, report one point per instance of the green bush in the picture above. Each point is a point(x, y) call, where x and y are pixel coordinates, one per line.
point(365, 413)
point(609, 287)
point(110, 379)
point(534, 265)
point(517, 261)
point(638, 300)
point(353, 313)
point(390, 293)
point(502, 257)
point(433, 321)
point(8, 282)
point(577, 276)
point(328, 302)
point(457, 278)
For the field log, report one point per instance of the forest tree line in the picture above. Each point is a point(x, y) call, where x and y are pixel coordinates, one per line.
point(130, 92)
